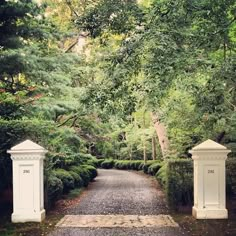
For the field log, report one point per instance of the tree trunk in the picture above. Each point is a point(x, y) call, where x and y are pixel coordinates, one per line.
point(130, 152)
point(154, 150)
point(161, 134)
point(144, 142)
point(144, 152)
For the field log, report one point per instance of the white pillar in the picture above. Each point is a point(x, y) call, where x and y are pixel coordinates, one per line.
point(209, 180)
point(28, 186)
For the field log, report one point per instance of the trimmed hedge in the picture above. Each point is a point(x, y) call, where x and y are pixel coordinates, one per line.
point(122, 165)
point(138, 165)
point(176, 177)
point(154, 168)
point(144, 166)
point(54, 189)
point(83, 173)
point(107, 164)
point(130, 165)
point(99, 162)
point(66, 178)
point(231, 177)
point(92, 171)
point(77, 178)
point(179, 182)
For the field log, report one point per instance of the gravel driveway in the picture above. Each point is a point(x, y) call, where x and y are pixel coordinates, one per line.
point(121, 193)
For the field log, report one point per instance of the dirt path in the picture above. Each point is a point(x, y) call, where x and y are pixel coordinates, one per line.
point(119, 203)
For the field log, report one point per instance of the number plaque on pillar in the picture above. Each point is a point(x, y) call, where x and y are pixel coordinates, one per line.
point(209, 180)
point(28, 186)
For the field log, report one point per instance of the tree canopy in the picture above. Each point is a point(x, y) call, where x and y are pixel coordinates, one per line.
point(121, 79)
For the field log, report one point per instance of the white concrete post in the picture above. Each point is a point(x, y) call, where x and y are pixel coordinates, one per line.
point(28, 185)
point(209, 180)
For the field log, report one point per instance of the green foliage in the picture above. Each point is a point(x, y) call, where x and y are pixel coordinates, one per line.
point(78, 179)
point(122, 165)
point(161, 175)
point(176, 177)
point(231, 177)
point(109, 15)
point(99, 162)
point(92, 171)
point(171, 58)
point(179, 182)
point(127, 165)
point(54, 189)
point(66, 178)
point(144, 166)
point(107, 164)
point(18, 21)
point(84, 174)
point(93, 161)
point(154, 168)
point(15, 131)
point(180, 63)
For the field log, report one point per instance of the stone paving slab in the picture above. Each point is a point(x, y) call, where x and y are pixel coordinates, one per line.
point(116, 221)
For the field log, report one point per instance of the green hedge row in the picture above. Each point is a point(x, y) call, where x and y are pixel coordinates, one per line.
point(176, 177)
point(61, 181)
point(150, 167)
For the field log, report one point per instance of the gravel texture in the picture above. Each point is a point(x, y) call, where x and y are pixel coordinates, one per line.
point(120, 192)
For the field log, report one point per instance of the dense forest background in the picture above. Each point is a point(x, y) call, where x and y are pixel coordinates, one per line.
point(135, 80)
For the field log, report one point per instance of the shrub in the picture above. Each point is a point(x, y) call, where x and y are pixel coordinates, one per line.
point(179, 182)
point(99, 162)
point(122, 165)
point(231, 177)
point(107, 164)
point(86, 158)
point(153, 168)
point(144, 166)
point(127, 164)
point(66, 178)
point(78, 180)
point(136, 164)
point(176, 177)
point(84, 174)
point(161, 175)
point(13, 132)
point(93, 162)
point(54, 189)
point(92, 171)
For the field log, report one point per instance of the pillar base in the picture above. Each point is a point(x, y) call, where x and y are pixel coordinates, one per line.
point(210, 213)
point(28, 217)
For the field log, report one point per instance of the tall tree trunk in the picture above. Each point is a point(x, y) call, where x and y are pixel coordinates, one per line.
point(161, 134)
point(130, 152)
point(154, 150)
point(144, 142)
point(144, 152)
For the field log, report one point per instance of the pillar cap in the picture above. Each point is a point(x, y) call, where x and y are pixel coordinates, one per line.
point(209, 145)
point(27, 147)
point(209, 148)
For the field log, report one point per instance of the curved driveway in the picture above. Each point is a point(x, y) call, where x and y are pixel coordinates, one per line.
point(122, 194)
